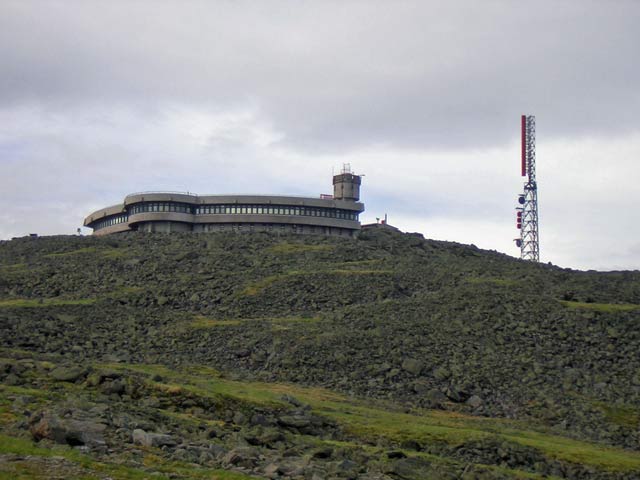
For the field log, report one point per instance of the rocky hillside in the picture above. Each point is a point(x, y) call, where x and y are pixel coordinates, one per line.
point(386, 356)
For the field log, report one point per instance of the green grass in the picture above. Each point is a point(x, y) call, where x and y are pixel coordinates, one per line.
point(16, 390)
point(601, 307)
point(14, 266)
point(125, 290)
point(203, 322)
point(44, 302)
point(624, 416)
point(254, 288)
point(384, 420)
point(105, 252)
point(299, 248)
point(502, 282)
point(358, 272)
point(93, 469)
point(358, 263)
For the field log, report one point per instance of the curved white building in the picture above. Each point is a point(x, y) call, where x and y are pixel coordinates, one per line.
point(182, 212)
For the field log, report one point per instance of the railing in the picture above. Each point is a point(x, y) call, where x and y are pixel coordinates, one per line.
point(151, 192)
point(160, 191)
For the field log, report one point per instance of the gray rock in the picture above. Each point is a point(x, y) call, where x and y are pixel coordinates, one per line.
point(260, 419)
point(413, 468)
point(116, 386)
point(241, 457)
point(412, 366)
point(148, 439)
point(67, 431)
point(13, 380)
point(68, 374)
point(291, 400)
point(295, 421)
point(239, 418)
point(217, 450)
point(273, 470)
point(410, 445)
point(420, 386)
point(457, 394)
point(435, 398)
point(474, 401)
point(323, 452)
point(347, 468)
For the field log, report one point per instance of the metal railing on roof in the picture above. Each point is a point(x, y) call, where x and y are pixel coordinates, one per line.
point(161, 191)
point(151, 192)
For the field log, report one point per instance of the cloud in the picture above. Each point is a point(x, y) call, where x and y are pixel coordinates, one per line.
point(100, 99)
point(338, 75)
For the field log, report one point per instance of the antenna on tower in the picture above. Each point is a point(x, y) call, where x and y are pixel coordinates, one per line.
point(527, 212)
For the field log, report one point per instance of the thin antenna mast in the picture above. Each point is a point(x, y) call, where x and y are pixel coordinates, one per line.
point(527, 213)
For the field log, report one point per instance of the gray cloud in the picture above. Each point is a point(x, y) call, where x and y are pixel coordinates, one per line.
point(99, 99)
point(338, 75)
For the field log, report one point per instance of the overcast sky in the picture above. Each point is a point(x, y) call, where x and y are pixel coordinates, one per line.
point(101, 99)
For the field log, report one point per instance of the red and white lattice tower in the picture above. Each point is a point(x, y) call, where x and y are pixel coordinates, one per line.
point(527, 212)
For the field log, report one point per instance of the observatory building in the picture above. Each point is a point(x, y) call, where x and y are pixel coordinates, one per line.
point(167, 212)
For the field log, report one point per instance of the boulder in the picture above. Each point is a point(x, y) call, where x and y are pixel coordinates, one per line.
point(322, 452)
point(474, 401)
point(148, 439)
point(412, 366)
point(67, 431)
point(435, 398)
point(346, 469)
point(294, 421)
point(68, 373)
point(457, 394)
point(412, 468)
point(246, 457)
point(117, 386)
point(239, 418)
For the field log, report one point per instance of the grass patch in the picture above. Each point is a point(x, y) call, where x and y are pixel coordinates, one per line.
point(371, 420)
point(88, 468)
point(44, 302)
point(359, 263)
point(358, 272)
point(255, 288)
point(601, 307)
point(285, 320)
point(203, 322)
point(299, 248)
point(501, 282)
point(105, 252)
point(126, 290)
point(620, 415)
point(14, 266)
point(30, 392)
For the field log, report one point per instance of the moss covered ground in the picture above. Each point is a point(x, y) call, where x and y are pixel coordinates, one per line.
point(409, 358)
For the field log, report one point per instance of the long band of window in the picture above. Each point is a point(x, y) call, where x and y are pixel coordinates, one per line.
point(235, 209)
